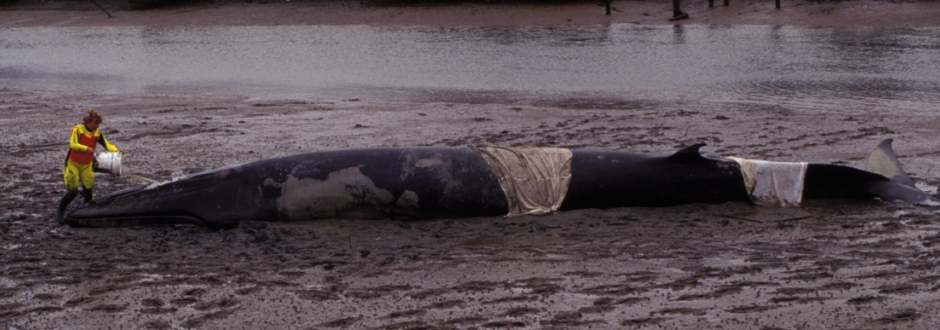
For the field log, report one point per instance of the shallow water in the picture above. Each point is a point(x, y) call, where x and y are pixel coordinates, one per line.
point(870, 68)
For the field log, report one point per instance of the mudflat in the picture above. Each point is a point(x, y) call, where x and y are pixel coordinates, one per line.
point(834, 264)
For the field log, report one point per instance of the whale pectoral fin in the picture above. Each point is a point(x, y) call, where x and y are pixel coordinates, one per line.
point(688, 153)
point(883, 161)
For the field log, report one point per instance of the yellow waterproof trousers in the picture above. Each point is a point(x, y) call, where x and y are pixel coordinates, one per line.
point(78, 173)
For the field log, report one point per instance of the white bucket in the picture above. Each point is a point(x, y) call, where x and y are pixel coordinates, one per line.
point(108, 162)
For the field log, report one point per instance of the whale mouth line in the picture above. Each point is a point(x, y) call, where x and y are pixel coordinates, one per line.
point(134, 221)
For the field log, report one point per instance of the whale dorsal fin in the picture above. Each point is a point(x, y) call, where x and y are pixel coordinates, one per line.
point(687, 153)
point(883, 161)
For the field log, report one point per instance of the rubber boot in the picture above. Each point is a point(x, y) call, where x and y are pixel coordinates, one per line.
point(69, 196)
point(88, 195)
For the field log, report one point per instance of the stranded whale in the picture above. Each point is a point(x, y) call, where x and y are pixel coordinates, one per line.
point(423, 183)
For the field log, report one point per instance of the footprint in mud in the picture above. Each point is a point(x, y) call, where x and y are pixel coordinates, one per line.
point(447, 304)
point(903, 316)
point(607, 304)
point(376, 292)
point(793, 291)
point(927, 279)
point(720, 292)
point(612, 289)
point(194, 292)
point(158, 310)
point(105, 289)
point(465, 321)
point(407, 313)
point(410, 325)
point(865, 300)
point(569, 319)
point(8, 292)
point(151, 302)
point(46, 296)
point(520, 311)
point(158, 325)
point(752, 309)
point(317, 295)
point(424, 294)
point(504, 324)
point(184, 301)
point(538, 286)
point(9, 310)
point(218, 304)
point(476, 286)
point(797, 300)
point(108, 308)
point(681, 284)
point(680, 310)
point(341, 323)
point(642, 321)
point(809, 275)
point(246, 290)
point(199, 320)
point(510, 300)
point(899, 289)
point(77, 301)
point(155, 306)
point(838, 286)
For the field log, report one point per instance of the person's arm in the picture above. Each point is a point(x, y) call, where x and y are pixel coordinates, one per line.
point(107, 145)
point(74, 142)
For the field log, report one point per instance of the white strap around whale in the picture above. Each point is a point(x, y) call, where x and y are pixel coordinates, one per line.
point(773, 183)
point(535, 180)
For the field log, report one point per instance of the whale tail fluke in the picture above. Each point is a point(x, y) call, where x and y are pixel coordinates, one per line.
point(899, 186)
point(883, 161)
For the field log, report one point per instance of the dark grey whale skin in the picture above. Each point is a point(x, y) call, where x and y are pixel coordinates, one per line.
point(430, 183)
point(448, 183)
point(606, 179)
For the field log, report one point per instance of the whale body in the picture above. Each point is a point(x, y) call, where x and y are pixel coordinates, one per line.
point(436, 182)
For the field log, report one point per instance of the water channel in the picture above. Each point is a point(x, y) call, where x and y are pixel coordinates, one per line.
point(870, 68)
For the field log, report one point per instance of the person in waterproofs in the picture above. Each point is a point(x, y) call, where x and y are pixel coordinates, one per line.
point(79, 162)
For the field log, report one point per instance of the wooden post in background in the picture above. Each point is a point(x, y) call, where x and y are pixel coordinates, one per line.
point(677, 13)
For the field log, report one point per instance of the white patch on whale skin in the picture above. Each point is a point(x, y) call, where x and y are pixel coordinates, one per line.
point(429, 162)
point(408, 200)
point(408, 163)
point(343, 190)
point(271, 183)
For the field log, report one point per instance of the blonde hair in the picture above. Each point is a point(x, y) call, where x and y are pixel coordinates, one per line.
point(92, 116)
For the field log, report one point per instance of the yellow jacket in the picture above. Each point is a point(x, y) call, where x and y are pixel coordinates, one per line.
point(81, 139)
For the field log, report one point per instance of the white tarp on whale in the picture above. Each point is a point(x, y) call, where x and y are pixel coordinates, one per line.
point(535, 180)
point(773, 183)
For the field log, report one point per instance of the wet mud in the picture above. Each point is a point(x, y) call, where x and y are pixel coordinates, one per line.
point(836, 264)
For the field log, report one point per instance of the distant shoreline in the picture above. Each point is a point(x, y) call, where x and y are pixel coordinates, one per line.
point(865, 13)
